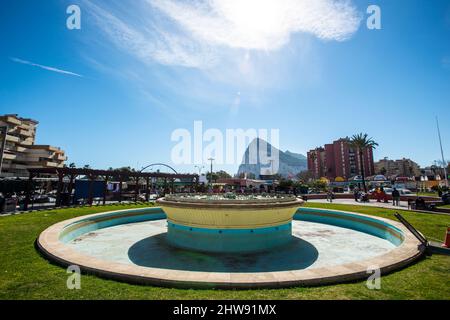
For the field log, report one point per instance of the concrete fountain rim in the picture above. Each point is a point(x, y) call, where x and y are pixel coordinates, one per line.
point(50, 246)
point(251, 203)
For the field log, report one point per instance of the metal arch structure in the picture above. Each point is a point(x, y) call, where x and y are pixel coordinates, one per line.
point(122, 175)
point(159, 164)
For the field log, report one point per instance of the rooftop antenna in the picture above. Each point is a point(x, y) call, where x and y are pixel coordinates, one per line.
point(444, 164)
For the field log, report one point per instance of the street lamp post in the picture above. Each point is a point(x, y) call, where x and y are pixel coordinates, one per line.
point(3, 133)
point(199, 169)
point(444, 163)
point(211, 173)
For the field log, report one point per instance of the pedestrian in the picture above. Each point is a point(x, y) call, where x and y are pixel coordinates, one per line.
point(378, 194)
point(2, 203)
point(410, 204)
point(396, 197)
point(384, 195)
point(356, 194)
point(330, 196)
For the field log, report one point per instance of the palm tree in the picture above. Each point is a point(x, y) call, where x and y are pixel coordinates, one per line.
point(362, 142)
point(313, 157)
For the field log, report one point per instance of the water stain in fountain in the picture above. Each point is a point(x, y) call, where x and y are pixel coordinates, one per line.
point(86, 236)
point(156, 252)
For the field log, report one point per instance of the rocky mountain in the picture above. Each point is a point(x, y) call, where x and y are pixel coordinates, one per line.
point(290, 163)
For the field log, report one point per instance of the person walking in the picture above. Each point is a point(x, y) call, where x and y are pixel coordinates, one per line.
point(2, 203)
point(356, 194)
point(330, 196)
point(396, 197)
point(378, 194)
point(384, 195)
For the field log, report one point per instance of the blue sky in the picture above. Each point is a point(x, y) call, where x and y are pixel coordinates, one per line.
point(112, 93)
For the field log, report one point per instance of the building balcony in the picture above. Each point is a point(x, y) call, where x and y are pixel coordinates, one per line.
point(15, 166)
point(27, 142)
point(9, 156)
point(47, 148)
point(12, 120)
point(12, 138)
point(60, 157)
point(17, 148)
point(48, 164)
point(25, 133)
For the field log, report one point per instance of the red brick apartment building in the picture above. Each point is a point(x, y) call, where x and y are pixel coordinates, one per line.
point(338, 159)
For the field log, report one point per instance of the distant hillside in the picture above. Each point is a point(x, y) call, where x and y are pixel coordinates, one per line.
point(290, 163)
point(296, 155)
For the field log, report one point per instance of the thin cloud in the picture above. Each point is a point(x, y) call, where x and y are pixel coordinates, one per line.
point(196, 33)
point(150, 43)
point(46, 67)
point(261, 24)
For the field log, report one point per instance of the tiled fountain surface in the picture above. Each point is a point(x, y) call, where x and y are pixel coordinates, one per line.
point(313, 245)
point(318, 254)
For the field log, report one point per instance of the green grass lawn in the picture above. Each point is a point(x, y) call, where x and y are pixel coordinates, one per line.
point(24, 274)
point(428, 194)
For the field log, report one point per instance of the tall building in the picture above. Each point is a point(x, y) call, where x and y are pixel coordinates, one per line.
point(339, 159)
point(397, 168)
point(18, 150)
point(316, 162)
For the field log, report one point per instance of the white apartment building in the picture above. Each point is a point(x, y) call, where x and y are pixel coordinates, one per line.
point(18, 150)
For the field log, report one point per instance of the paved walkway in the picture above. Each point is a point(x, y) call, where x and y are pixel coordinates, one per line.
point(372, 203)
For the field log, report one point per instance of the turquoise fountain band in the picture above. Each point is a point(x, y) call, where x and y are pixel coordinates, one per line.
point(240, 224)
point(228, 240)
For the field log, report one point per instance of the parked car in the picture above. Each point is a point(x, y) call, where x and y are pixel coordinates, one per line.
point(406, 192)
point(403, 192)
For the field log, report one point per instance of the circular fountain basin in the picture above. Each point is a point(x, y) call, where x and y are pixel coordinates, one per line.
point(328, 246)
point(214, 223)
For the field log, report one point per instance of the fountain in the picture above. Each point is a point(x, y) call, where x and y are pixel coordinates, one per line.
point(229, 223)
point(230, 241)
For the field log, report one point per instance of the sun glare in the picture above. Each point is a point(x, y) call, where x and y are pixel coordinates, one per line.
point(253, 16)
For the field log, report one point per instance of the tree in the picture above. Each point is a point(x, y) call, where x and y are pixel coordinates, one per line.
point(221, 175)
point(319, 185)
point(305, 176)
point(285, 184)
point(72, 165)
point(361, 142)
